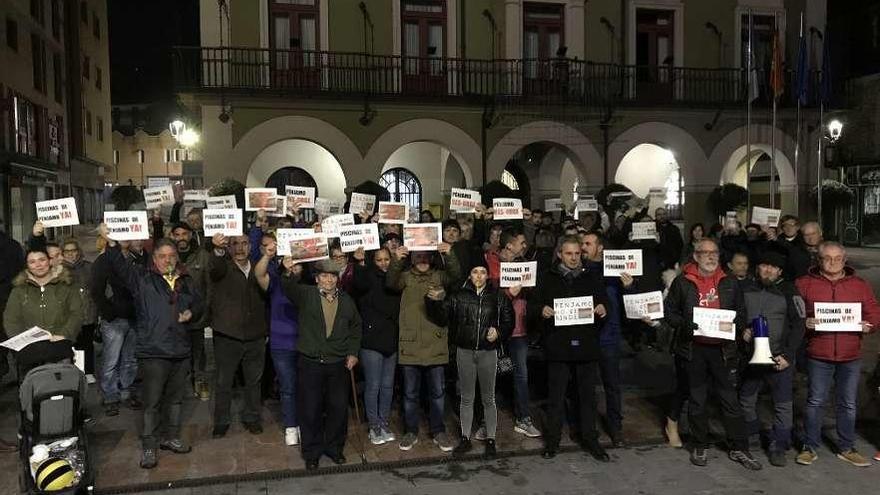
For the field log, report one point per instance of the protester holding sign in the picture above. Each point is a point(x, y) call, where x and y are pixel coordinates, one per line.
point(711, 362)
point(571, 349)
point(834, 356)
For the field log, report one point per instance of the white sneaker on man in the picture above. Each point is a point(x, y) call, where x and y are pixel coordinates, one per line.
point(90, 379)
point(291, 436)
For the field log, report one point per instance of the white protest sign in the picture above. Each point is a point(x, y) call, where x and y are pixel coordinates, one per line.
point(157, 197)
point(644, 230)
point(765, 216)
point(656, 199)
point(390, 212)
point(569, 311)
point(838, 317)
point(24, 339)
point(422, 236)
point(305, 196)
point(644, 305)
point(464, 200)
point(195, 195)
point(284, 236)
point(325, 207)
point(362, 202)
point(617, 261)
point(365, 235)
point(553, 204)
point(260, 198)
point(127, 225)
point(715, 323)
point(57, 212)
point(280, 207)
point(524, 274)
point(584, 205)
point(221, 202)
point(330, 226)
point(507, 209)
point(310, 248)
point(226, 222)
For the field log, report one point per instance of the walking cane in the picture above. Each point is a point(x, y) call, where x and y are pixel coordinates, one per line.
point(357, 414)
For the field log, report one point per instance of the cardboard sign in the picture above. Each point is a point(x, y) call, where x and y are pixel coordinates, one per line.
point(524, 274)
point(310, 248)
point(127, 225)
point(362, 202)
point(838, 317)
point(619, 261)
point(390, 212)
point(422, 236)
point(221, 202)
point(284, 236)
point(57, 212)
point(715, 323)
point(507, 209)
point(325, 207)
point(464, 200)
point(365, 235)
point(554, 204)
point(330, 226)
point(226, 222)
point(766, 216)
point(305, 196)
point(644, 305)
point(195, 195)
point(260, 198)
point(157, 197)
point(644, 230)
point(568, 311)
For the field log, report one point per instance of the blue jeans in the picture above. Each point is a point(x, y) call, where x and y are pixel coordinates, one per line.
point(609, 371)
point(846, 378)
point(379, 390)
point(518, 348)
point(285, 370)
point(119, 368)
point(412, 384)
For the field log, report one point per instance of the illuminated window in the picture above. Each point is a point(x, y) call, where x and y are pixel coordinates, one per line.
point(403, 186)
point(509, 180)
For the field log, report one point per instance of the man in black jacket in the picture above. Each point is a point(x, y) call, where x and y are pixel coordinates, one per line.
point(13, 263)
point(711, 361)
point(238, 310)
point(780, 303)
point(570, 348)
point(329, 341)
point(671, 242)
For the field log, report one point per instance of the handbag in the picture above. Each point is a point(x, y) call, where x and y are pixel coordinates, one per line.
point(505, 362)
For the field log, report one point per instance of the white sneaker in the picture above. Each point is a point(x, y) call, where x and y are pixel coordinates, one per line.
point(291, 436)
point(480, 434)
point(90, 379)
point(525, 427)
point(387, 434)
point(376, 437)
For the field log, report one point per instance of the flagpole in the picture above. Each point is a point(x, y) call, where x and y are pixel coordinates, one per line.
point(797, 139)
point(819, 165)
point(773, 97)
point(749, 121)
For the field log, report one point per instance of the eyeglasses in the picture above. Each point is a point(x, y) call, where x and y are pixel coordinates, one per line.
point(338, 256)
point(706, 253)
point(74, 250)
point(835, 259)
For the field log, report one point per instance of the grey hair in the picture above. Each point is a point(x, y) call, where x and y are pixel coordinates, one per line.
point(812, 224)
point(831, 244)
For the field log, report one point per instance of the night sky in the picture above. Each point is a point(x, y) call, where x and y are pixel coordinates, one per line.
point(141, 36)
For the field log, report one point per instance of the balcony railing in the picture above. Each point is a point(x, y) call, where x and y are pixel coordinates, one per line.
point(564, 81)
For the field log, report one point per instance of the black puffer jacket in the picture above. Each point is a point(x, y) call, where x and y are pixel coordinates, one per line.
point(380, 310)
point(470, 315)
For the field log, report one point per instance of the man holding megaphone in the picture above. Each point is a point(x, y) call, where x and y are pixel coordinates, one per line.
point(776, 315)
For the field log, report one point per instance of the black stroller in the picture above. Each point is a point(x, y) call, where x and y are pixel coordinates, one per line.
point(52, 394)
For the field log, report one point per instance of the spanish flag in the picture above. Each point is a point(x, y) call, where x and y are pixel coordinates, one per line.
point(777, 71)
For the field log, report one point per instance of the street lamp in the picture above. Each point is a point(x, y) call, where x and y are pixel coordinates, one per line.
point(177, 127)
point(188, 138)
point(835, 128)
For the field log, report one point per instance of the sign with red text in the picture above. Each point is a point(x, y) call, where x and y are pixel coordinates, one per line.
point(284, 236)
point(553, 204)
point(353, 237)
point(838, 317)
point(221, 202)
point(157, 197)
point(127, 225)
point(362, 202)
point(390, 212)
point(260, 198)
point(226, 222)
point(464, 200)
point(57, 212)
point(507, 209)
point(422, 236)
point(303, 197)
point(617, 261)
point(310, 248)
point(524, 274)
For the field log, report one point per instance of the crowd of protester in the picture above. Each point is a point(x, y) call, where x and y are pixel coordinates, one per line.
point(440, 319)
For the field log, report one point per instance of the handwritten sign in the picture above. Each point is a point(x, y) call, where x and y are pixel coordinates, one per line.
point(362, 202)
point(284, 236)
point(715, 323)
point(464, 200)
point(365, 235)
point(157, 197)
point(553, 204)
point(422, 236)
point(586, 205)
point(644, 305)
point(226, 222)
point(330, 226)
point(524, 274)
point(766, 216)
point(390, 212)
point(838, 317)
point(507, 209)
point(127, 225)
point(617, 261)
point(305, 196)
point(57, 212)
point(260, 198)
point(221, 202)
point(325, 207)
point(644, 230)
point(568, 311)
point(195, 195)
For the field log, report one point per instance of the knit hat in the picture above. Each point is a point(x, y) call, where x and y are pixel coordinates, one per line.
point(480, 261)
point(181, 225)
point(772, 258)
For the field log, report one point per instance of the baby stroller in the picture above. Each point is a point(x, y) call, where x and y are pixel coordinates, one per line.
point(52, 396)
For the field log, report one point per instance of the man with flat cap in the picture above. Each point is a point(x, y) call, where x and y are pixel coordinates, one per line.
point(329, 341)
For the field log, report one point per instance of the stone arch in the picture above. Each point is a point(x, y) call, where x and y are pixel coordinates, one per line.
point(687, 150)
point(731, 151)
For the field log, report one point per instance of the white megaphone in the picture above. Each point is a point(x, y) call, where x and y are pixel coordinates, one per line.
point(761, 340)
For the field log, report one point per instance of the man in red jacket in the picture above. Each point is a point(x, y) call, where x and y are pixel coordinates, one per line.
point(834, 355)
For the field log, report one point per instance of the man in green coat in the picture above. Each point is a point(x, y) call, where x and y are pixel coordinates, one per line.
point(424, 348)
